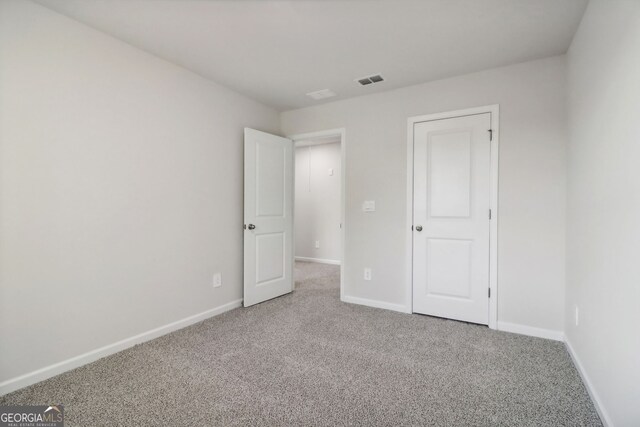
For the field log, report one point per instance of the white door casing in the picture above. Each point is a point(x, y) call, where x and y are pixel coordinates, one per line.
point(268, 216)
point(451, 203)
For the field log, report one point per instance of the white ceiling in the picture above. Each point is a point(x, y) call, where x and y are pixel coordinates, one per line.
point(277, 51)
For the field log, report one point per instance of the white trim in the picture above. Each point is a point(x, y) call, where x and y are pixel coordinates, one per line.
point(494, 110)
point(331, 139)
point(531, 331)
point(374, 303)
point(595, 398)
point(409, 220)
point(91, 356)
point(343, 187)
point(318, 260)
point(493, 224)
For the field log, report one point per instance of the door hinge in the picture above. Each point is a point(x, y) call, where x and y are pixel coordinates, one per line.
point(489, 213)
point(489, 292)
point(490, 134)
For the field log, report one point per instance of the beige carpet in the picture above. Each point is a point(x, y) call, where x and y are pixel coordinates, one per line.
point(307, 359)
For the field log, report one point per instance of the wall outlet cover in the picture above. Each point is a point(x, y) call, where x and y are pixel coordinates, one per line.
point(367, 274)
point(369, 206)
point(217, 280)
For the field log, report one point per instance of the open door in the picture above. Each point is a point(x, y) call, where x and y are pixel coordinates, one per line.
point(268, 216)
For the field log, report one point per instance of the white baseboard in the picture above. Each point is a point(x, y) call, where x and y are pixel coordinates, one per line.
point(595, 398)
point(375, 303)
point(318, 260)
point(66, 365)
point(531, 331)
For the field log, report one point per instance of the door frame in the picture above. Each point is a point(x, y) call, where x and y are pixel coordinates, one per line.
point(341, 132)
point(494, 111)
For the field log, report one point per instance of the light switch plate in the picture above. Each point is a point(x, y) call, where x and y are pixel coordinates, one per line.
point(330, 172)
point(369, 206)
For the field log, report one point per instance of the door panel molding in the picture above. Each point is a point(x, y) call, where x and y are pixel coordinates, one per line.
point(494, 111)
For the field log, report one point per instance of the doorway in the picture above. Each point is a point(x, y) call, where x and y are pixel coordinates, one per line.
point(269, 214)
point(319, 183)
point(452, 194)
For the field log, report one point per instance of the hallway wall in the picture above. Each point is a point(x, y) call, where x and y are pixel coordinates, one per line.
point(317, 202)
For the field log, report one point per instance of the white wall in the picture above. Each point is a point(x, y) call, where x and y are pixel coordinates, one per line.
point(120, 189)
point(532, 182)
point(317, 201)
point(603, 277)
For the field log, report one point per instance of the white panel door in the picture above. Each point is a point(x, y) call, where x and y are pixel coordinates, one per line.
point(268, 216)
point(451, 191)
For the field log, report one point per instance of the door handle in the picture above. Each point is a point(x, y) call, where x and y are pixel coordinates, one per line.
point(418, 228)
point(251, 227)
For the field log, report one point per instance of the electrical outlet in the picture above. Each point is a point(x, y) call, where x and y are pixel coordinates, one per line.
point(369, 206)
point(317, 244)
point(367, 274)
point(217, 280)
point(577, 316)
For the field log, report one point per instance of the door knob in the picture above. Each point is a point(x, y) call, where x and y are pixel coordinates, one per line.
point(418, 227)
point(252, 227)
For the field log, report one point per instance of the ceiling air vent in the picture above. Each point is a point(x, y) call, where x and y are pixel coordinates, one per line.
point(376, 78)
point(321, 94)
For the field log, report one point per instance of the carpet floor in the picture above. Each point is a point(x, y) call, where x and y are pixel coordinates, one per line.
point(307, 359)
